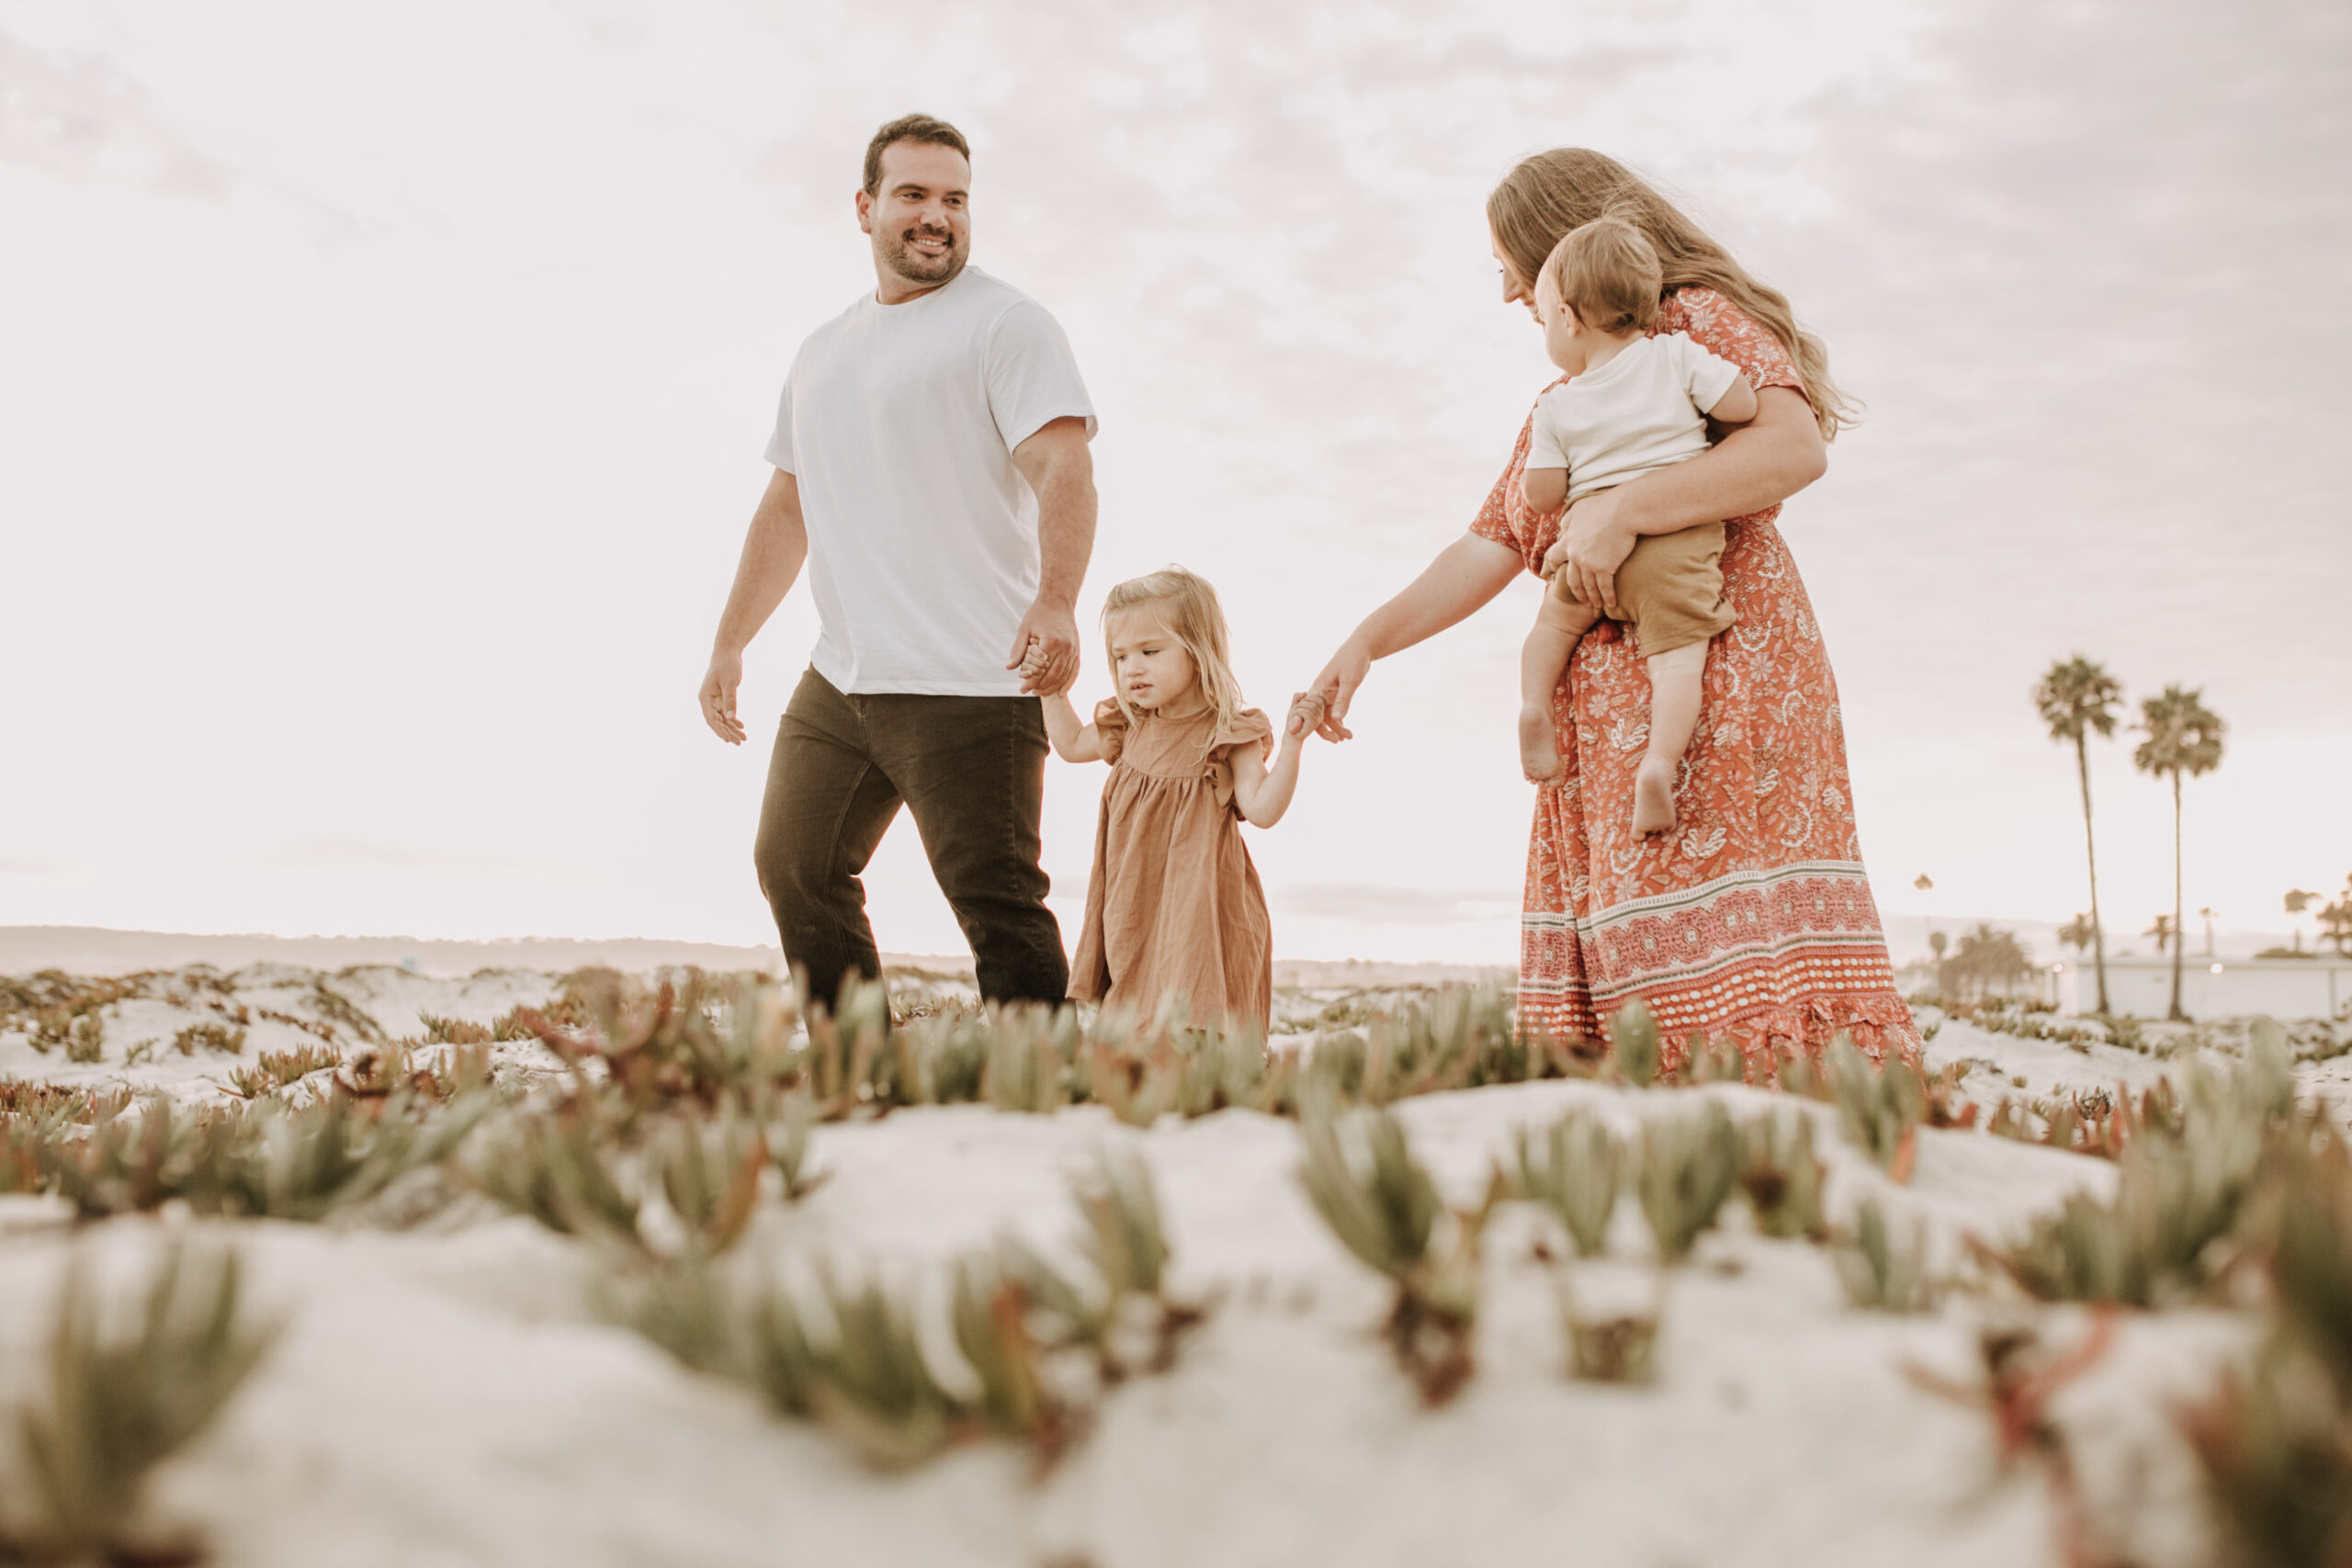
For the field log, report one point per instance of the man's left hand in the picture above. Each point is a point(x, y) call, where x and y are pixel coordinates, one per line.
point(1056, 630)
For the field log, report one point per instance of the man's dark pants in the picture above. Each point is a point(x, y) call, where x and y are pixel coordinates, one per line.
point(972, 771)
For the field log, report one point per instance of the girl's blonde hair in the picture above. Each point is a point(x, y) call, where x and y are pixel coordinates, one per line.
point(1553, 193)
point(1188, 607)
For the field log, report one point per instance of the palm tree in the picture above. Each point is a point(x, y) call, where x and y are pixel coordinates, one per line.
point(2298, 900)
point(2161, 931)
point(1990, 956)
point(2076, 697)
point(2184, 739)
point(2336, 920)
point(2206, 915)
point(2077, 933)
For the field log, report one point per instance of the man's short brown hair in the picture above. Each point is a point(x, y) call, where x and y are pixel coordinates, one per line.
point(1607, 274)
point(909, 128)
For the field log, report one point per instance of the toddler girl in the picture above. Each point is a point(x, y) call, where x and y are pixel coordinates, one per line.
point(1174, 908)
point(1631, 404)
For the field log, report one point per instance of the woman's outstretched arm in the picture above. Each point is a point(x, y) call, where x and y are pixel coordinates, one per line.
point(1464, 576)
point(1760, 464)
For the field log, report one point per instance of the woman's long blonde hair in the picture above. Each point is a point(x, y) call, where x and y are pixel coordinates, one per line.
point(1550, 194)
point(1188, 607)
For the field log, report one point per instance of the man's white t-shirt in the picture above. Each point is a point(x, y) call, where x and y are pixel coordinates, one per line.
point(1644, 408)
point(899, 422)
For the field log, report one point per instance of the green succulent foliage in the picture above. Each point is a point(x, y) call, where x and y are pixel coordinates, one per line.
point(788, 1125)
point(2311, 1253)
point(1363, 1179)
point(1575, 1167)
point(271, 1159)
point(2275, 1439)
point(867, 1379)
point(1782, 1177)
point(1886, 1267)
point(991, 1314)
point(124, 1395)
point(1460, 1038)
point(555, 1167)
point(1360, 1175)
point(684, 1306)
point(2178, 1190)
point(1880, 1107)
point(1028, 1059)
point(2277, 1464)
point(1634, 1044)
point(709, 1171)
point(1689, 1161)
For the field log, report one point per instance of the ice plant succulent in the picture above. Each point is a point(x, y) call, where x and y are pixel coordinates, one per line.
point(122, 1396)
point(1880, 1106)
point(1360, 1175)
point(1575, 1169)
point(1781, 1176)
point(1884, 1267)
point(1689, 1160)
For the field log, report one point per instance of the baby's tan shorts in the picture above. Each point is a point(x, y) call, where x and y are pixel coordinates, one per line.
point(1670, 588)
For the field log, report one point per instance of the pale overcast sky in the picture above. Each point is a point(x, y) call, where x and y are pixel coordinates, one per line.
point(383, 390)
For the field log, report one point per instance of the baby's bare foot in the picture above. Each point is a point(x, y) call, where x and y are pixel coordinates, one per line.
point(1539, 752)
point(1653, 797)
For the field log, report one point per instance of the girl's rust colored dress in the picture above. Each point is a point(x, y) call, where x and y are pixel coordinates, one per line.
point(1174, 907)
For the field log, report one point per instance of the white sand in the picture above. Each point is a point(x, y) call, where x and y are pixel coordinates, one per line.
point(444, 1394)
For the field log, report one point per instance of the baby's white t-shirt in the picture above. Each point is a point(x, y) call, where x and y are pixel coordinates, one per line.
point(1644, 408)
point(899, 422)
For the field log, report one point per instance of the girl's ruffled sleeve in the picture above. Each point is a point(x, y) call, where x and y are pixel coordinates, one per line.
point(1249, 728)
point(1111, 728)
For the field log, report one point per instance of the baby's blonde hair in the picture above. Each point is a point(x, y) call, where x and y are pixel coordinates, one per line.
point(1607, 274)
point(1188, 607)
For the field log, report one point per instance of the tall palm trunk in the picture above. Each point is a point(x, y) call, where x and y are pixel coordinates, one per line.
point(2177, 907)
point(2090, 850)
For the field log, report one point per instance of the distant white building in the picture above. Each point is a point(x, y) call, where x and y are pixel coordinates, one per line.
point(2210, 987)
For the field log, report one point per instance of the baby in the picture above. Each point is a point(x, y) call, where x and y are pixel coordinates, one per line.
point(1632, 403)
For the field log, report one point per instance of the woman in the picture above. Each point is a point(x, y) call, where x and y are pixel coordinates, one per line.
point(1753, 918)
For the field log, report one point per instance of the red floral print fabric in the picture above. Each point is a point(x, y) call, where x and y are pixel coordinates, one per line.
point(1753, 918)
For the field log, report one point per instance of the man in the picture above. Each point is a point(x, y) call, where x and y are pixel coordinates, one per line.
point(931, 470)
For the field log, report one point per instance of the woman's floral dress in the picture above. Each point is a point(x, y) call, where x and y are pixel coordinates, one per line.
point(1753, 918)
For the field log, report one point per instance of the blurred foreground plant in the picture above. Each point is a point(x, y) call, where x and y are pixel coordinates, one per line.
point(1035, 1341)
point(1575, 1169)
point(1378, 1200)
point(271, 1159)
point(1689, 1160)
point(2178, 1191)
point(121, 1396)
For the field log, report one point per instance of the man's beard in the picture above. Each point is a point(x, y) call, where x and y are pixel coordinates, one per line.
point(900, 256)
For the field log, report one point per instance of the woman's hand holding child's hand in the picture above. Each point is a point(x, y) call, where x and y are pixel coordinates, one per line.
point(1305, 713)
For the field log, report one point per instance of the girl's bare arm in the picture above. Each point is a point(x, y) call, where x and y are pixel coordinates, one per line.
point(1073, 741)
point(1263, 792)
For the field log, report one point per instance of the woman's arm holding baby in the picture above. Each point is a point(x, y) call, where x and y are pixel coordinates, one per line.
point(1261, 792)
point(1760, 463)
point(1073, 741)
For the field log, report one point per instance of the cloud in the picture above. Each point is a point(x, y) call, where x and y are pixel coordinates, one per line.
point(80, 115)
